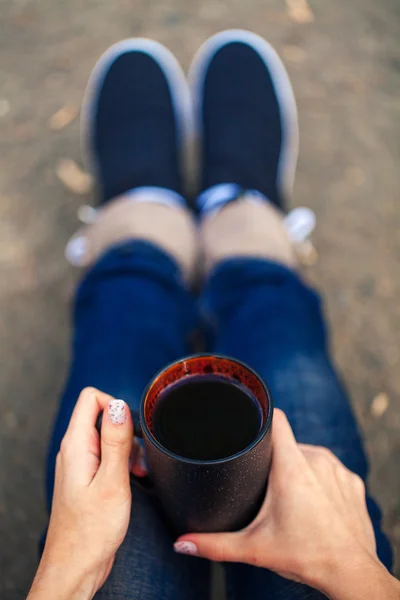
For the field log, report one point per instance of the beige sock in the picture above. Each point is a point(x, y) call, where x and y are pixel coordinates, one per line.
point(171, 228)
point(246, 227)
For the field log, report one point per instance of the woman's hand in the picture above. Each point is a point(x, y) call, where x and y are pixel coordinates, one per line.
point(92, 499)
point(313, 526)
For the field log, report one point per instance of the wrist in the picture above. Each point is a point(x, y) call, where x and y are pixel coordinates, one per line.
point(357, 577)
point(62, 581)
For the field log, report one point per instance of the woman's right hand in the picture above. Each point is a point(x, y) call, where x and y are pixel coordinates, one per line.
point(313, 526)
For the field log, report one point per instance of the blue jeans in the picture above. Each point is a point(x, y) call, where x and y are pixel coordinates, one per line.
point(133, 315)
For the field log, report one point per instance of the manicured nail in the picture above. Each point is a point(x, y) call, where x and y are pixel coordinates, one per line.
point(117, 412)
point(186, 548)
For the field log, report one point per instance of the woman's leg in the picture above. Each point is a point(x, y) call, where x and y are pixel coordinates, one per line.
point(133, 312)
point(257, 307)
point(263, 314)
point(132, 316)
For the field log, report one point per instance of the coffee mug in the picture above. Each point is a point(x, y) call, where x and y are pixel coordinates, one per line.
point(209, 474)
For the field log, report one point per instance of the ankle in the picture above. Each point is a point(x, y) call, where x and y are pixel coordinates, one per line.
point(169, 226)
point(246, 227)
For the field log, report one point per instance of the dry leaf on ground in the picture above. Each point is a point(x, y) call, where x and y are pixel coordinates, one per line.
point(73, 177)
point(4, 107)
point(355, 175)
point(379, 405)
point(294, 53)
point(63, 117)
point(10, 420)
point(300, 11)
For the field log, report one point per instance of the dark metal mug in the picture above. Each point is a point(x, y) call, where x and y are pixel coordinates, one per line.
point(208, 495)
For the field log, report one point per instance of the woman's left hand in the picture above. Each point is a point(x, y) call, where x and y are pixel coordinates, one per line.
point(91, 502)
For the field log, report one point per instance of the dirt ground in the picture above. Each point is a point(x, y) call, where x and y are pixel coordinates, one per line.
point(345, 67)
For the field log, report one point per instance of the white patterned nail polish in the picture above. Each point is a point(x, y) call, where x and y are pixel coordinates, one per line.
point(117, 412)
point(186, 548)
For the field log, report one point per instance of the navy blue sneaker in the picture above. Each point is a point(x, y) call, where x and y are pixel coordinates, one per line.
point(246, 118)
point(136, 119)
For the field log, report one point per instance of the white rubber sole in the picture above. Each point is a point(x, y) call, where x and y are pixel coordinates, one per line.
point(177, 84)
point(283, 89)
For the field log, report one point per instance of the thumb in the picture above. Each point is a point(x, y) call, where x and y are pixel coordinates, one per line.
point(286, 452)
point(219, 547)
point(116, 440)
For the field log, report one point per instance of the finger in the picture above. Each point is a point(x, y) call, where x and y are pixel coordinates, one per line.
point(137, 465)
point(354, 493)
point(219, 547)
point(80, 447)
point(321, 459)
point(325, 463)
point(287, 462)
point(133, 453)
point(325, 467)
point(312, 450)
point(286, 453)
point(82, 425)
point(328, 468)
point(343, 487)
point(116, 442)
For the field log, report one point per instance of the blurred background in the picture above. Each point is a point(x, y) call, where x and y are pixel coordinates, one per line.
point(344, 61)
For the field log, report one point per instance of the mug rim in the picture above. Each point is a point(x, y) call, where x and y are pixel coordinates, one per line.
point(262, 433)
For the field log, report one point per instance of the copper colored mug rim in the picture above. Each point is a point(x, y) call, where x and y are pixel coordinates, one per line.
point(262, 433)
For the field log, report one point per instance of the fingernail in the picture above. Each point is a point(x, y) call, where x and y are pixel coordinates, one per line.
point(117, 412)
point(186, 548)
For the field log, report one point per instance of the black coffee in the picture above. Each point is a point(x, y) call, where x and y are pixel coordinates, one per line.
point(206, 417)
